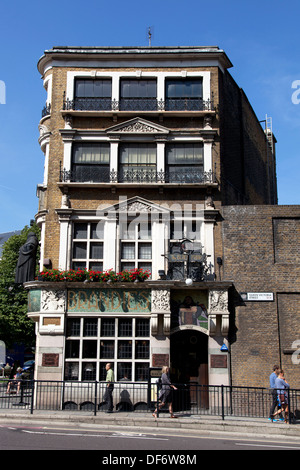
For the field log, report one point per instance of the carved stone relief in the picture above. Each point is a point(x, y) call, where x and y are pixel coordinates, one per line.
point(160, 300)
point(218, 307)
point(160, 304)
point(53, 301)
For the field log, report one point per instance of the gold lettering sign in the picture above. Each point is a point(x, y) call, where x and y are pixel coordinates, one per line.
point(109, 300)
point(51, 321)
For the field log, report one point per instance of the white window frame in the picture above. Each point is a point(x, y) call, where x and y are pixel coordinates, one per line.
point(160, 76)
point(113, 360)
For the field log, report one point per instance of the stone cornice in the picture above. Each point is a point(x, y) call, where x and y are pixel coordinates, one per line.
point(190, 54)
point(160, 284)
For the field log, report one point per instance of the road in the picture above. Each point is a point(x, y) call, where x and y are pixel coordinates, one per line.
point(152, 446)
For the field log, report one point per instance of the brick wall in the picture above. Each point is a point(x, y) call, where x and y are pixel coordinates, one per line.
point(261, 254)
point(246, 165)
point(89, 198)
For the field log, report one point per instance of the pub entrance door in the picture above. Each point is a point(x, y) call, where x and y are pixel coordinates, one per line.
point(189, 356)
point(189, 364)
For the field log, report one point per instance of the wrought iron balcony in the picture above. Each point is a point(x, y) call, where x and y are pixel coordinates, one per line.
point(138, 104)
point(90, 104)
point(105, 175)
point(188, 104)
point(46, 111)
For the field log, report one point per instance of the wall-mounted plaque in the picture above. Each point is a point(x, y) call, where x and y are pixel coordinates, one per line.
point(218, 361)
point(50, 360)
point(160, 360)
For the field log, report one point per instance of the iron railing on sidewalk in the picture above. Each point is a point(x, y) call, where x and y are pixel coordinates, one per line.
point(188, 400)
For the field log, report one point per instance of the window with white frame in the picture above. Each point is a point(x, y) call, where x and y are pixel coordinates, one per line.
point(184, 94)
point(87, 249)
point(184, 162)
point(185, 237)
point(92, 94)
point(90, 162)
point(138, 94)
point(136, 245)
point(92, 342)
point(132, 93)
point(137, 162)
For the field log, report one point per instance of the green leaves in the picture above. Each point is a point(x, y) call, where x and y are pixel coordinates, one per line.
point(15, 326)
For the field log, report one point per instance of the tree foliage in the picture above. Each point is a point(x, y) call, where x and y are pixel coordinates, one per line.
point(15, 326)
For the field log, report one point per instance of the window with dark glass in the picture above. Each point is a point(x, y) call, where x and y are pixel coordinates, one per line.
point(137, 163)
point(142, 327)
point(88, 246)
point(142, 349)
point(92, 94)
point(71, 371)
point(90, 327)
point(90, 162)
point(184, 94)
point(124, 349)
point(136, 246)
point(141, 371)
point(107, 349)
point(73, 327)
point(124, 342)
point(125, 327)
point(184, 163)
point(89, 349)
point(124, 371)
point(72, 348)
point(89, 371)
point(138, 95)
point(108, 327)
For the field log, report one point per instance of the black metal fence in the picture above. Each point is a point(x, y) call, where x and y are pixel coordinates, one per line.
point(138, 104)
point(102, 174)
point(188, 400)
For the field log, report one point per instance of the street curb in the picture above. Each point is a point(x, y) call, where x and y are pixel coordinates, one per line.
point(186, 425)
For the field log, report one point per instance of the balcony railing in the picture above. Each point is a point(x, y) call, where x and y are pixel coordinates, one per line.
point(138, 104)
point(46, 111)
point(105, 175)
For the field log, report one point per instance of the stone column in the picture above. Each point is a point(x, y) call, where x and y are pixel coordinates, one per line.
point(160, 327)
point(218, 325)
point(50, 335)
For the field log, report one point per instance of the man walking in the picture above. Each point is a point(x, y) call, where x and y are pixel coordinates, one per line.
point(273, 391)
point(109, 387)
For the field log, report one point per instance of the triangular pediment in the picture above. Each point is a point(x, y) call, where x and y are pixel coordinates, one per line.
point(137, 126)
point(134, 205)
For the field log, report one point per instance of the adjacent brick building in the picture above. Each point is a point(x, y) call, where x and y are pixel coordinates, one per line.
point(261, 254)
point(150, 157)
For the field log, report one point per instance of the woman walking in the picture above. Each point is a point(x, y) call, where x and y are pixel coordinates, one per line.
point(282, 386)
point(165, 394)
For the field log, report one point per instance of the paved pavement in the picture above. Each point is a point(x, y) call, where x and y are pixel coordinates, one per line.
point(145, 422)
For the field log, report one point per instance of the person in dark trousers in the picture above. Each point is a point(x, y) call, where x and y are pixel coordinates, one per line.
point(108, 398)
point(273, 391)
point(165, 394)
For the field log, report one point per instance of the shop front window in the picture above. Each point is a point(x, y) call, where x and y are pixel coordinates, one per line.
point(92, 342)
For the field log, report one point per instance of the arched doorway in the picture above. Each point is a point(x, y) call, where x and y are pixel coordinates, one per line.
point(189, 356)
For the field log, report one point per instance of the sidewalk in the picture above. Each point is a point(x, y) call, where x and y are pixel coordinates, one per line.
point(146, 423)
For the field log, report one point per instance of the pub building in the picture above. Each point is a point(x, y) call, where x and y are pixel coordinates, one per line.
point(144, 150)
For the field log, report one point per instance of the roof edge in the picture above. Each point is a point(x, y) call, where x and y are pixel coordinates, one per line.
point(85, 53)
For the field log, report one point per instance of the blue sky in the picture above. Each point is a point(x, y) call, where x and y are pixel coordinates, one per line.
point(260, 38)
